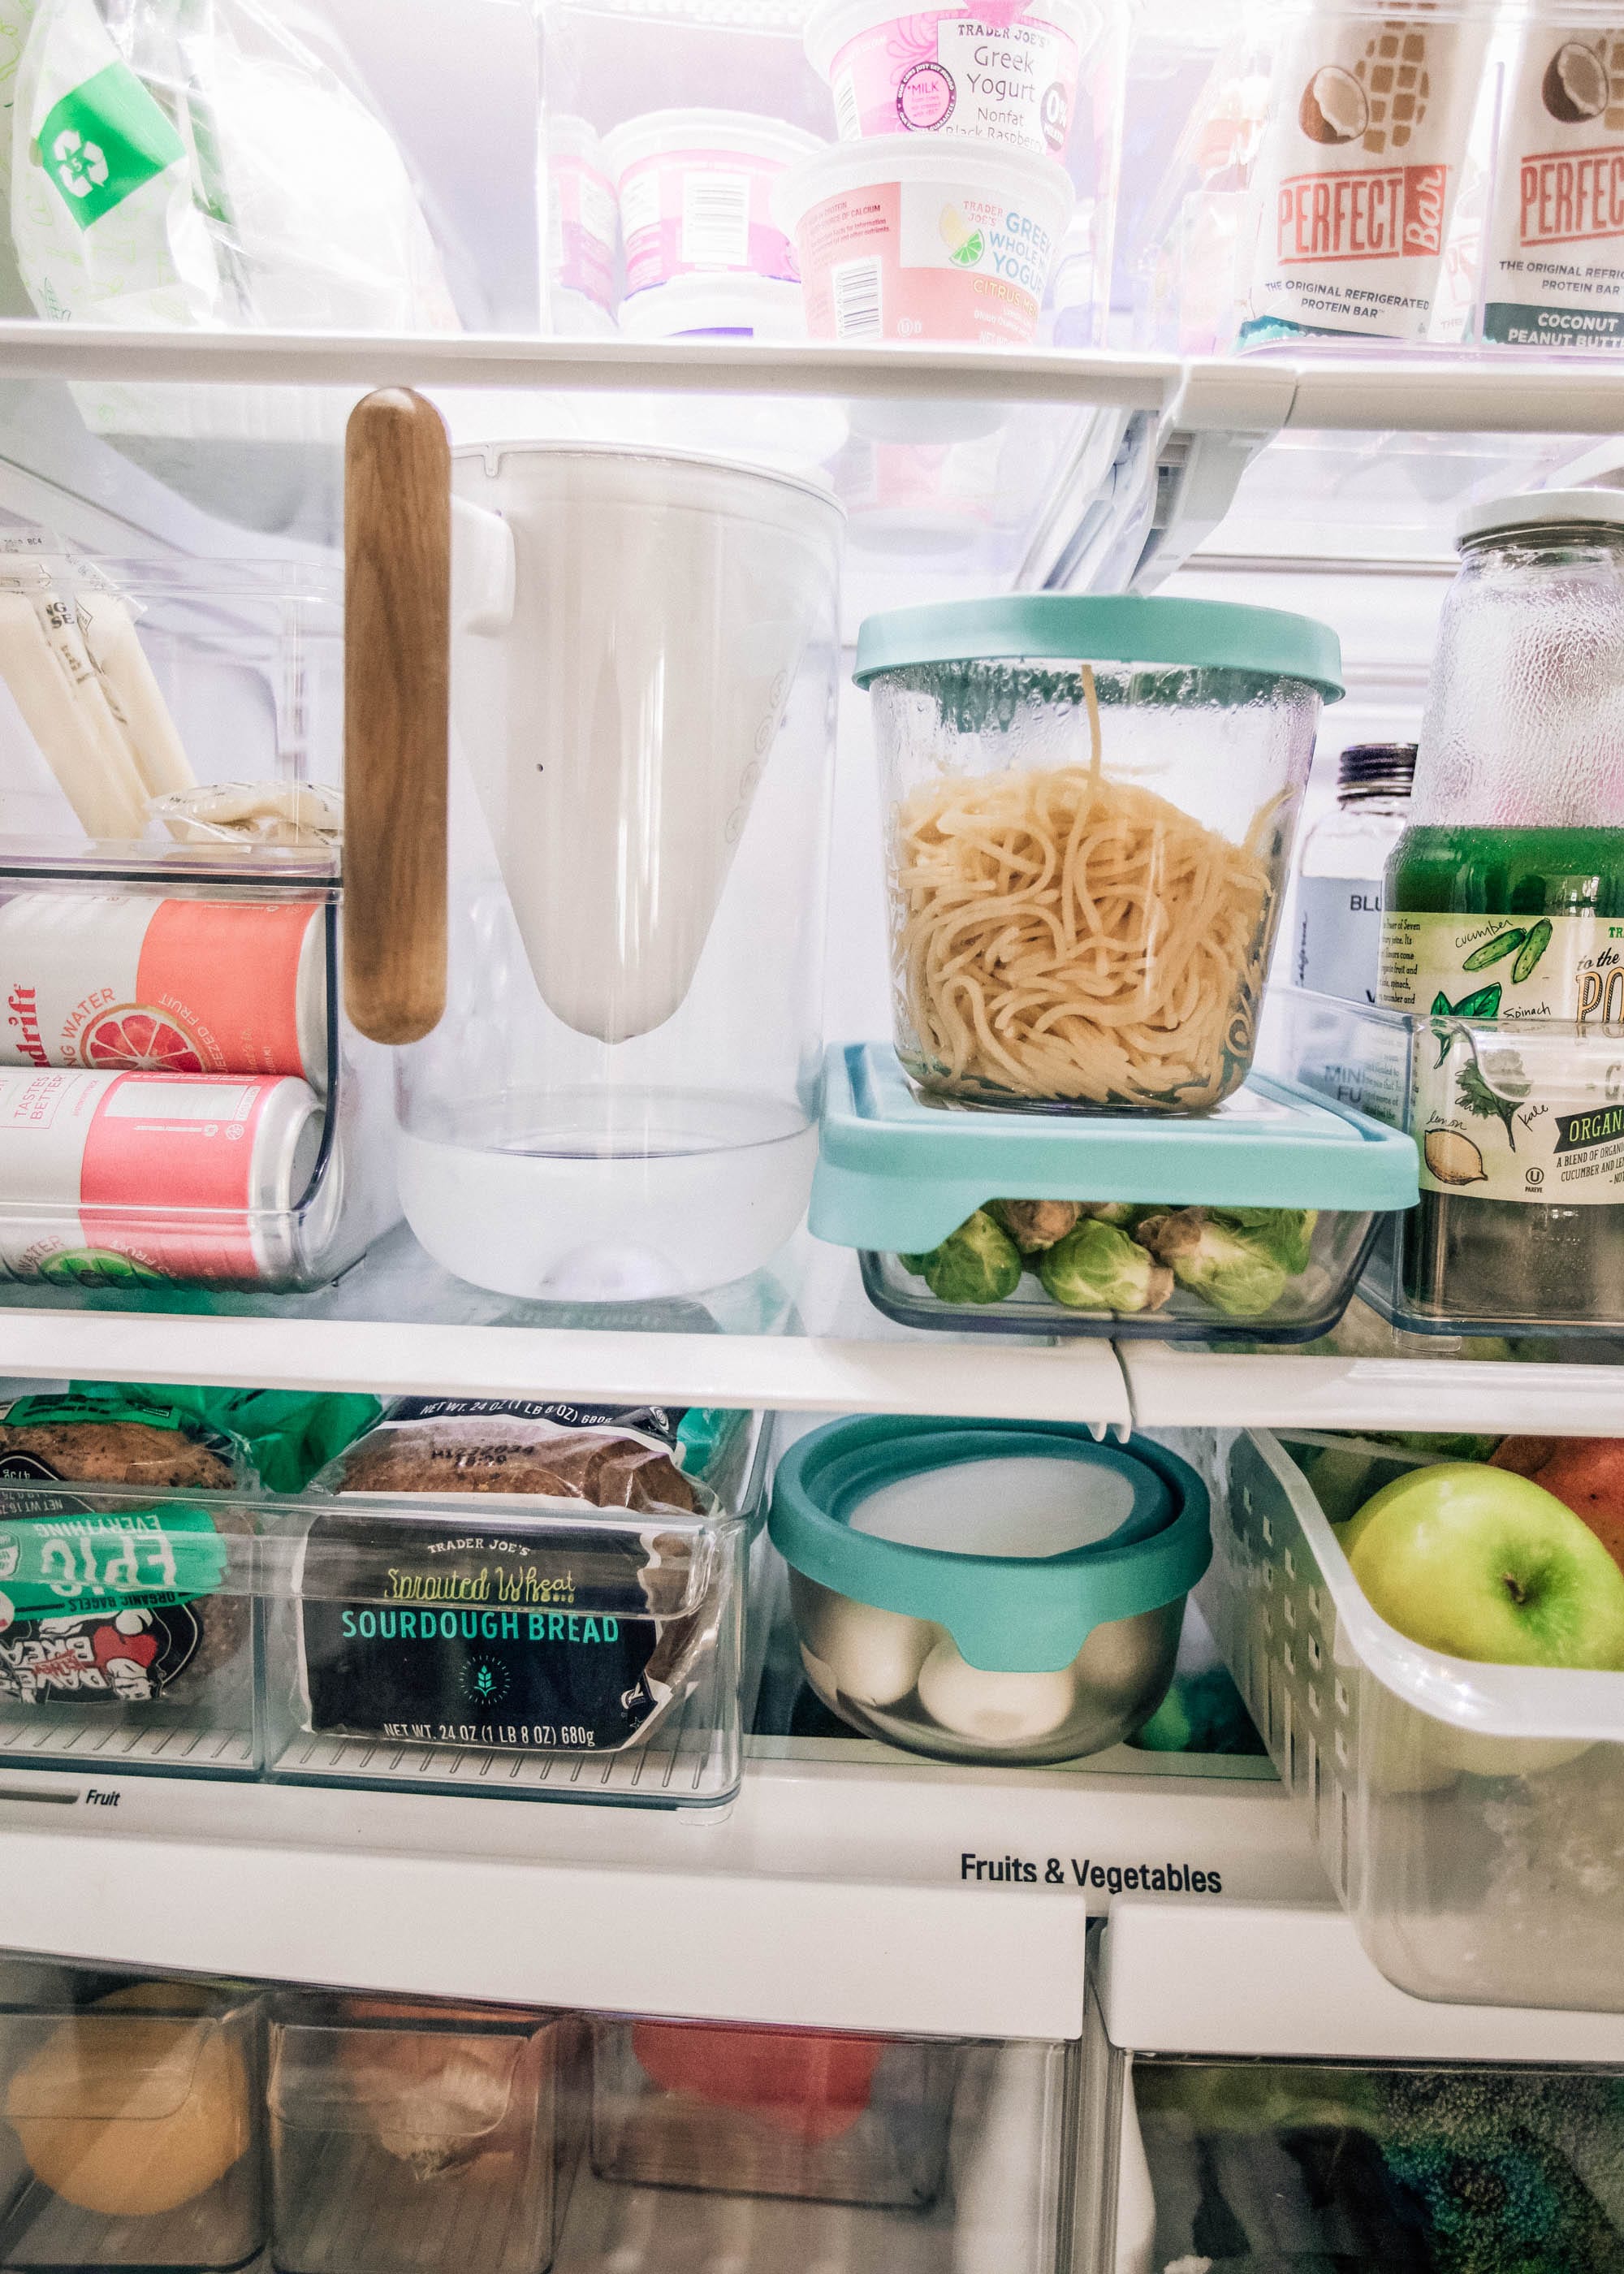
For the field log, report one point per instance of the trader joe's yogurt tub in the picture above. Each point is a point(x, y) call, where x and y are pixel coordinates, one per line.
point(954, 71)
point(717, 307)
point(581, 228)
point(941, 240)
point(695, 191)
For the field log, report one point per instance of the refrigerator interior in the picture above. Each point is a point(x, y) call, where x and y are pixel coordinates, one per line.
point(402, 1987)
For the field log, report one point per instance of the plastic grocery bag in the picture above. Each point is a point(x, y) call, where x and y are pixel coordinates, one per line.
point(196, 162)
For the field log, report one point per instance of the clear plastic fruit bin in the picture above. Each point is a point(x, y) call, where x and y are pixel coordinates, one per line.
point(1469, 1816)
point(132, 2132)
point(420, 2139)
point(1520, 1130)
point(182, 1099)
point(128, 1640)
point(808, 2113)
point(488, 1643)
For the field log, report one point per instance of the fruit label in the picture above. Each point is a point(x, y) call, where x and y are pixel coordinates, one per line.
point(955, 72)
point(1534, 1110)
point(115, 981)
point(482, 1634)
point(95, 1604)
point(685, 212)
point(1370, 117)
point(1555, 276)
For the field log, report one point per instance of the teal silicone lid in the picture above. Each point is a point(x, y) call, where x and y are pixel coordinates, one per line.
point(1124, 628)
point(898, 1173)
point(1006, 1613)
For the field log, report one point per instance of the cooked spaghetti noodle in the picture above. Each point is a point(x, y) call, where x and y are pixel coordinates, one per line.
point(1057, 935)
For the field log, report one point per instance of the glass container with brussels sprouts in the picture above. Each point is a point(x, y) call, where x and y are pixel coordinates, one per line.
point(1249, 1224)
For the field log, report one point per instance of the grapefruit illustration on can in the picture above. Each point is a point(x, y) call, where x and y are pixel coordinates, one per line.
point(127, 980)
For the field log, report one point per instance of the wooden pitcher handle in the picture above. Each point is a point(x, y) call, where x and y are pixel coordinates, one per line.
point(398, 683)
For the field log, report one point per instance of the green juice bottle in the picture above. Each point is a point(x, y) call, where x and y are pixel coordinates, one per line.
point(1503, 929)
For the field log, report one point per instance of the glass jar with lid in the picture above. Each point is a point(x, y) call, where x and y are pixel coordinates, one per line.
point(1505, 915)
point(1341, 871)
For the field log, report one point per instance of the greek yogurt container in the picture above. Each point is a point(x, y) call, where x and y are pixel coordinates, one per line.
point(954, 71)
point(947, 239)
point(696, 193)
point(982, 1591)
point(582, 227)
point(733, 307)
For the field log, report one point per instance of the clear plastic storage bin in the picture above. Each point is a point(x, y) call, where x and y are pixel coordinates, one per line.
point(809, 2114)
point(1217, 1230)
point(1470, 1816)
point(1519, 1227)
point(129, 1642)
point(132, 2132)
point(182, 1099)
point(536, 1649)
point(414, 2136)
point(1089, 808)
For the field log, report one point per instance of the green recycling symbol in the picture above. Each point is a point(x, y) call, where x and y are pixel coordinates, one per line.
point(81, 166)
point(103, 140)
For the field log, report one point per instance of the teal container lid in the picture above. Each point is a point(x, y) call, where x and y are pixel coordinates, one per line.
point(1006, 1613)
point(898, 1172)
point(1124, 628)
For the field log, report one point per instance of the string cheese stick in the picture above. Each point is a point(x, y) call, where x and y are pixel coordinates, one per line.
point(116, 651)
point(81, 746)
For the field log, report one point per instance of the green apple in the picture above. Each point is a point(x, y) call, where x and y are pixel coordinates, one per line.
point(1484, 1564)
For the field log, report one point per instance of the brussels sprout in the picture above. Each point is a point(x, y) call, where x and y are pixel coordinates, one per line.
point(1236, 1272)
point(1096, 1268)
point(1035, 1225)
point(1122, 1213)
point(978, 1263)
point(1287, 1233)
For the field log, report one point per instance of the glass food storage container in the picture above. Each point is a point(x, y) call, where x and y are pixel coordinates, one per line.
point(809, 2114)
point(131, 2131)
point(1471, 1815)
point(1334, 2122)
point(428, 2137)
point(972, 1221)
point(128, 1637)
point(1088, 813)
point(1006, 1591)
point(620, 1098)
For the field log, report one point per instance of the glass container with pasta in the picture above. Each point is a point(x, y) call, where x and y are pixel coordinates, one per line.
point(1089, 808)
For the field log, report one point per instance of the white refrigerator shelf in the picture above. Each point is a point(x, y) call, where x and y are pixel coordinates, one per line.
point(833, 1894)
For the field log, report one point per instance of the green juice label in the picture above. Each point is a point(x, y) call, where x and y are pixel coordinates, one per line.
point(1533, 1112)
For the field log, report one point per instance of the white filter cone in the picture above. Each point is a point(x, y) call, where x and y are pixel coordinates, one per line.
point(617, 727)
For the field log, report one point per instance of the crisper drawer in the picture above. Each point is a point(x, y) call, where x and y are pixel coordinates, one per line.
point(157, 2124)
point(1259, 2098)
point(1470, 1815)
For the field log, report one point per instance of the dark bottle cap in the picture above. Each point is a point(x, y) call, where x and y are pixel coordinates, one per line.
point(1376, 770)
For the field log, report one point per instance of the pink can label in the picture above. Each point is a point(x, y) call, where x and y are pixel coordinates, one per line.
point(947, 70)
point(581, 225)
point(160, 1172)
point(920, 261)
point(687, 213)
